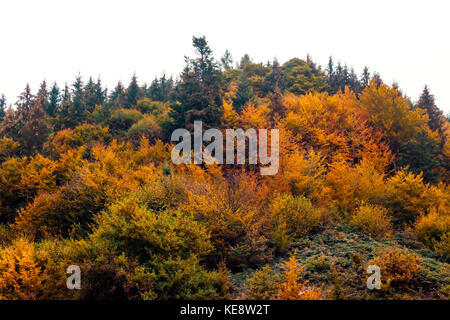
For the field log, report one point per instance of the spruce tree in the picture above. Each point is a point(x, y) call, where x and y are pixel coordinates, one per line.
point(42, 97)
point(2, 107)
point(117, 97)
point(199, 92)
point(78, 107)
point(426, 102)
point(421, 155)
point(54, 99)
point(90, 95)
point(133, 93)
point(99, 93)
point(365, 77)
point(227, 60)
point(245, 61)
point(244, 93)
point(25, 101)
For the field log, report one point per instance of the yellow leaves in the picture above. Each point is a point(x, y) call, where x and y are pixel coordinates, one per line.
point(254, 117)
point(432, 228)
point(230, 116)
point(335, 126)
point(398, 267)
point(39, 175)
point(231, 209)
point(292, 217)
point(391, 112)
point(348, 186)
point(373, 220)
point(20, 275)
point(7, 148)
point(408, 197)
point(302, 173)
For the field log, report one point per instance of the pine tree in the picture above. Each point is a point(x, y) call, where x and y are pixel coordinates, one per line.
point(42, 96)
point(244, 93)
point(426, 102)
point(25, 101)
point(64, 112)
point(2, 107)
point(34, 130)
point(377, 79)
point(99, 93)
point(28, 125)
point(199, 92)
point(53, 100)
point(330, 68)
point(78, 107)
point(133, 93)
point(365, 77)
point(274, 78)
point(90, 95)
point(353, 81)
point(117, 97)
point(227, 60)
point(160, 89)
point(422, 155)
point(245, 61)
point(277, 109)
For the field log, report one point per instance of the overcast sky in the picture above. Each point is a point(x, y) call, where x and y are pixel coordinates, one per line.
point(405, 41)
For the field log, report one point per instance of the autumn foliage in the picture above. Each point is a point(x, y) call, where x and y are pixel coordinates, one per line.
point(91, 183)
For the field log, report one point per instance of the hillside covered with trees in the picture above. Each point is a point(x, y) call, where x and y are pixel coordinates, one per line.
point(86, 179)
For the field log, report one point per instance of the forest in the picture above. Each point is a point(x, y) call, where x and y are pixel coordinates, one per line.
point(86, 179)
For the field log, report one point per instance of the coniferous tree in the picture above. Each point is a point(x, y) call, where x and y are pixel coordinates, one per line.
point(54, 99)
point(426, 102)
point(422, 155)
point(2, 107)
point(65, 110)
point(330, 68)
point(34, 130)
point(90, 95)
point(245, 61)
point(199, 93)
point(377, 79)
point(227, 60)
point(274, 78)
point(42, 96)
point(99, 93)
point(365, 77)
point(353, 81)
point(133, 93)
point(160, 89)
point(244, 93)
point(78, 107)
point(117, 97)
point(25, 101)
point(28, 124)
point(277, 109)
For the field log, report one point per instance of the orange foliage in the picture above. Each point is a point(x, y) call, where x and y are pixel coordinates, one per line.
point(291, 288)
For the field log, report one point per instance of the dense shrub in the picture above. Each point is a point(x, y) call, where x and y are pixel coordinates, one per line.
point(398, 267)
point(146, 127)
point(373, 220)
point(121, 120)
point(261, 285)
point(433, 228)
point(292, 217)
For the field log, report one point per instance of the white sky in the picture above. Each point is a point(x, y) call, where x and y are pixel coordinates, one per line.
point(406, 41)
